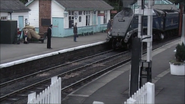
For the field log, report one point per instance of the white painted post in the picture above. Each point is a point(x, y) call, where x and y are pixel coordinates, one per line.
point(140, 10)
point(53, 79)
point(150, 93)
point(131, 101)
point(97, 102)
point(53, 92)
point(60, 86)
point(149, 30)
point(56, 92)
point(31, 97)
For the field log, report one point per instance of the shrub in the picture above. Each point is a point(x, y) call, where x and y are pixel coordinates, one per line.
point(180, 53)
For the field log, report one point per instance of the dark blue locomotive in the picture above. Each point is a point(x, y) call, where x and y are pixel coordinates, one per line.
point(125, 26)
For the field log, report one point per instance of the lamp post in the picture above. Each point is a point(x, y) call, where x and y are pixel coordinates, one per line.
point(183, 26)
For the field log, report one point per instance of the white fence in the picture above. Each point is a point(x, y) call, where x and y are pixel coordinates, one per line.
point(145, 95)
point(51, 95)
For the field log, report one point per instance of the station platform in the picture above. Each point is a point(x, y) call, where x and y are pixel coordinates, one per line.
point(113, 87)
point(13, 52)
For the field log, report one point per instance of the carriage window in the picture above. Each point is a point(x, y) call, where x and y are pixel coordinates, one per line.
point(171, 21)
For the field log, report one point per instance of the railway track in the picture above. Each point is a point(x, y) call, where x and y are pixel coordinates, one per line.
point(73, 74)
point(68, 72)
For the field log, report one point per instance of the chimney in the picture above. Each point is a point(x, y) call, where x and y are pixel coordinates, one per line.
point(44, 15)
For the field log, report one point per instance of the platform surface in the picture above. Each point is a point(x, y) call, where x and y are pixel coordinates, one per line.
point(12, 52)
point(113, 87)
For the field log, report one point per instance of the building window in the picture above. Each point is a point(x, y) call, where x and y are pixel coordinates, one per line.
point(80, 19)
point(71, 19)
point(105, 17)
point(87, 12)
point(76, 15)
point(87, 18)
point(94, 12)
point(80, 12)
point(71, 12)
point(4, 18)
point(84, 12)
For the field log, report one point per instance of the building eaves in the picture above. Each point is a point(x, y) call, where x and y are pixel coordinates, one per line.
point(12, 6)
point(85, 4)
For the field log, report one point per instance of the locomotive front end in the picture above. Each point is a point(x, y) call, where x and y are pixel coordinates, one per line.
point(120, 26)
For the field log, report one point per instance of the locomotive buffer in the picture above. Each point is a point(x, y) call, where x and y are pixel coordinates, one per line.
point(141, 70)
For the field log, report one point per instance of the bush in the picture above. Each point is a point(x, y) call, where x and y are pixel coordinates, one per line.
point(180, 53)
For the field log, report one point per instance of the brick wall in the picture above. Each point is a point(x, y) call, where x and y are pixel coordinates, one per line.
point(44, 13)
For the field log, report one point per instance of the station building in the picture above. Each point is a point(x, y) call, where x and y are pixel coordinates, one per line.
point(90, 15)
point(14, 10)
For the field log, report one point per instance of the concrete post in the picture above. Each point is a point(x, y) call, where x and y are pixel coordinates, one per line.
point(140, 14)
point(150, 93)
point(149, 31)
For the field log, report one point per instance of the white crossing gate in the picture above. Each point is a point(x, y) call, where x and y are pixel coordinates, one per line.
point(51, 95)
point(145, 95)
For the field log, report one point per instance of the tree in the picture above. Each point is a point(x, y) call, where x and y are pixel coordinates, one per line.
point(24, 1)
point(116, 4)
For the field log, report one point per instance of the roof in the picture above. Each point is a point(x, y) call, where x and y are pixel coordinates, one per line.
point(82, 4)
point(12, 6)
point(165, 7)
point(85, 4)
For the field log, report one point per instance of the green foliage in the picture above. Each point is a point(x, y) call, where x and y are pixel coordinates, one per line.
point(180, 53)
point(24, 1)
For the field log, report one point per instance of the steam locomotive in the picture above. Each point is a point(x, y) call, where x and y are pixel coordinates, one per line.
point(125, 26)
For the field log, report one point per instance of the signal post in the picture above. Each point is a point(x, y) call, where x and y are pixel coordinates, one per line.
point(141, 69)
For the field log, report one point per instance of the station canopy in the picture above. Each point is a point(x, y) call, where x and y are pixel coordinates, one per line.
point(158, 5)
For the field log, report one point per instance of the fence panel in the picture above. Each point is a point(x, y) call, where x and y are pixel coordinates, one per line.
point(52, 94)
point(145, 95)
